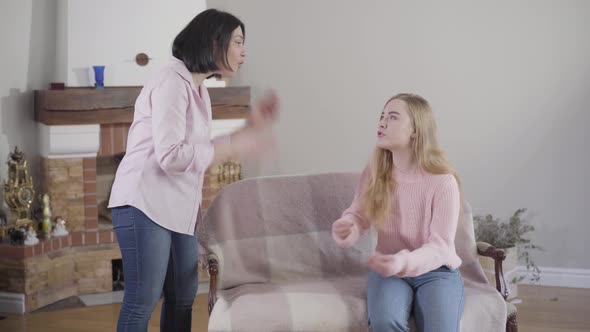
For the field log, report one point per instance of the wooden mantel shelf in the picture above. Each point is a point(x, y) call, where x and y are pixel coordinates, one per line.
point(74, 106)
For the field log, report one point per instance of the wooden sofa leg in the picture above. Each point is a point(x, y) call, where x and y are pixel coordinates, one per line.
point(511, 324)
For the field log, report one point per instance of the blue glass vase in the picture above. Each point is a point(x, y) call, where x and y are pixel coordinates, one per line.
point(99, 76)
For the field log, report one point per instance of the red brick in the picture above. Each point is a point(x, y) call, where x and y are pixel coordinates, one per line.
point(12, 252)
point(91, 223)
point(91, 238)
point(47, 246)
point(90, 200)
point(56, 244)
point(106, 140)
point(28, 251)
point(90, 212)
point(77, 239)
point(89, 163)
point(104, 236)
point(119, 138)
point(5, 250)
point(89, 175)
point(37, 250)
point(89, 187)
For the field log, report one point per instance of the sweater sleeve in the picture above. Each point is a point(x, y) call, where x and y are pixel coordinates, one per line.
point(439, 248)
point(354, 212)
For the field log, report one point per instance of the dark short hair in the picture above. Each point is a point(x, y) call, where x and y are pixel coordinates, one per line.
point(202, 45)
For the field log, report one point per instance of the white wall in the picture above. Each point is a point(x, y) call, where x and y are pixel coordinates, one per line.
point(27, 39)
point(112, 32)
point(508, 81)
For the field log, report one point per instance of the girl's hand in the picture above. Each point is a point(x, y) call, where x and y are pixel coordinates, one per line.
point(387, 265)
point(345, 232)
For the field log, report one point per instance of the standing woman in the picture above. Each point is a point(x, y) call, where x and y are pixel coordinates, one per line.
point(157, 192)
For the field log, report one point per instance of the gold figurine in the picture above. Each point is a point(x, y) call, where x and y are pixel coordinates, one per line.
point(18, 190)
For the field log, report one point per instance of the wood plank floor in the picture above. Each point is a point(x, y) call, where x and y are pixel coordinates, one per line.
point(544, 309)
point(553, 309)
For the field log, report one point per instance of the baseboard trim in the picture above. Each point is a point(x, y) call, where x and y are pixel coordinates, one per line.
point(559, 277)
point(12, 303)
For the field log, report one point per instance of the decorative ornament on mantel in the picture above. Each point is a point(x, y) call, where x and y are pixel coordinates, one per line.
point(46, 222)
point(99, 77)
point(18, 190)
point(60, 227)
point(31, 238)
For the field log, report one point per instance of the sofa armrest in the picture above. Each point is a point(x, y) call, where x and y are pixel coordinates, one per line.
point(498, 255)
point(488, 250)
point(213, 268)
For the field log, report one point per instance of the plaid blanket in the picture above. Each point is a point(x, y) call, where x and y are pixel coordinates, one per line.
point(279, 269)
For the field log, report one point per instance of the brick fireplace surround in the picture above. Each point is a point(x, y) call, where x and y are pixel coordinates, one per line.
point(76, 126)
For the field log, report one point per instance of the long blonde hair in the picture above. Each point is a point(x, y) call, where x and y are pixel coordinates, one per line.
point(377, 198)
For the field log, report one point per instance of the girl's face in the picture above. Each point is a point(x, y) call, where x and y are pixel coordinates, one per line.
point(396, 128)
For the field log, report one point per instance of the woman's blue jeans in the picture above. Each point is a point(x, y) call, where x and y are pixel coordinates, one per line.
point(156, 261)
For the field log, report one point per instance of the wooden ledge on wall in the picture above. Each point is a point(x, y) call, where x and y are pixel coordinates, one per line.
point(76, 106)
